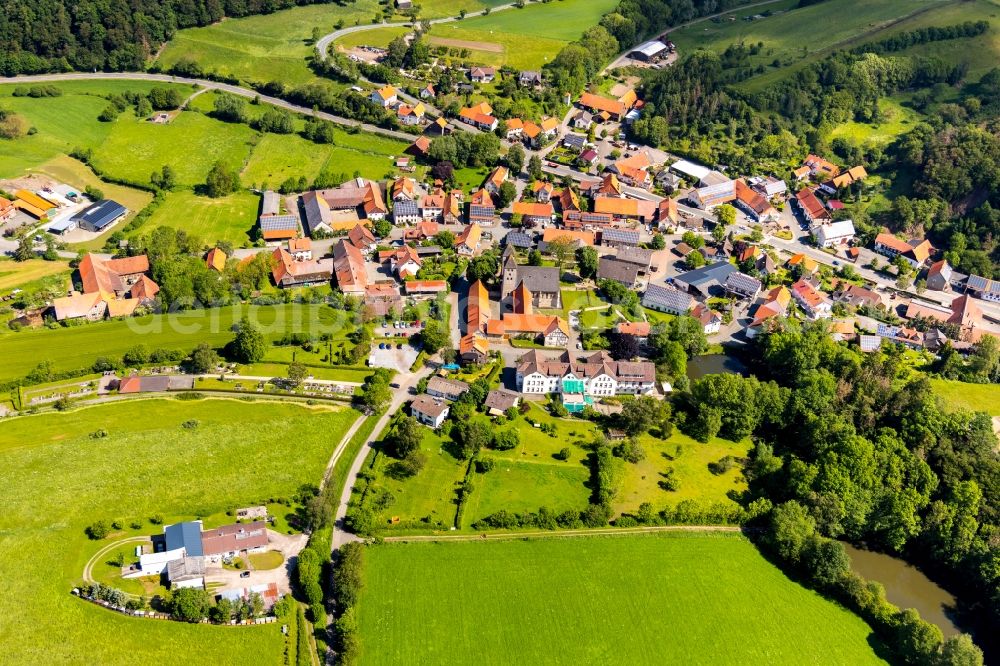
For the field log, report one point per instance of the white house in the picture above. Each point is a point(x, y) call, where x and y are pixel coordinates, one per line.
point(815, 304)
point(429, 411)
point(384, 97)
point(834, 234)
point(594, 375)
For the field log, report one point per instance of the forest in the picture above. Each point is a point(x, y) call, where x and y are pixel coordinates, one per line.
point(857, 447)
point(112, 35)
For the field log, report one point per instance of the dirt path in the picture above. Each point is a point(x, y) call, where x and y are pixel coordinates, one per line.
point(489, 47)
point(88, 569)
point(551, 534)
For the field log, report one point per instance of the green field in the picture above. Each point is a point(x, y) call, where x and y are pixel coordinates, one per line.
point(229, 218)
point(270, 47)
point(796, 36)
point(19, 273)
point(59, 480)
point(77, 347)
point(644, 599)
point(521, 38)
point(974, 397)
point(898, 119)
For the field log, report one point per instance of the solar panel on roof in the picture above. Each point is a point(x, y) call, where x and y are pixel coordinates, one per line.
point(977, 282)
point(279, 222)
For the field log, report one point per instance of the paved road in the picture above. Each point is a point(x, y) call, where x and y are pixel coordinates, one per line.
point(211, 85)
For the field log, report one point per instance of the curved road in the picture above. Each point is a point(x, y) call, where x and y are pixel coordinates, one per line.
point(210, 85)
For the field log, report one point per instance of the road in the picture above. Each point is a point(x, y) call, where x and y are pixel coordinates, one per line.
point(210, 85)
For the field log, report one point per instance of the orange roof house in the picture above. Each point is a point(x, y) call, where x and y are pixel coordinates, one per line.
point(614, 108)
point(529, 209)
point(582, 237)
point(216, 259)
point(477, 308)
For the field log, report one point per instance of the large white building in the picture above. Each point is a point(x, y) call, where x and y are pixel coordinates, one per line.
point(834, 234)
point(579, 380)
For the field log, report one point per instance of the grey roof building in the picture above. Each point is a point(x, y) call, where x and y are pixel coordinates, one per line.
point(635, 255)
point(706, 279)
point(666, 299)
point(405, 208)
point(101, 215)
point(184, 535)
point(317, 214)
point(576, 141)
point(450, 389)
point(624, 272)
point(743, 285)
point(519, 239)
point(619, 237)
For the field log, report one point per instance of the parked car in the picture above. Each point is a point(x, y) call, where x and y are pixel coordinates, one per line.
point(394, 385)
point(244, 574)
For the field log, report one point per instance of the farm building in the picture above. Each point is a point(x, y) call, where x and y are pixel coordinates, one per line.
point(99, 216)
point(648, 51)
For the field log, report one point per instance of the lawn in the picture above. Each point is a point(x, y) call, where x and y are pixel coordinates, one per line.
point(430, 495)
point(271, 559)
point(527, 38)
point(790, 35)
point(77, 347)
point(190, 144)
point(15, 274)
point(897, 120)
point(270, 47)
point(975, 397)
point(640, 482)
point(82, 101)
point(642, 599)
point(230, 218)
point(527, 485)
point(60, 480)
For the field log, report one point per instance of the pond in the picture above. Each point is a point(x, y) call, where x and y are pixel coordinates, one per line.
point(906, 586)
point(714, 364)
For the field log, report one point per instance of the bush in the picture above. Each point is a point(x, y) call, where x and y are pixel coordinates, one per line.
point(485, 465)
point(630, 451)
point(563, 454)
point(98, 530)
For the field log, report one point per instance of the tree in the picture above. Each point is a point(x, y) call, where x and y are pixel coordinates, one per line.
point(826, 561)
point(960, 651)
point(535, 168)
point(189, 604)
point(693, 240)
point(434, 336)
point(382, 228)
point(222, 612)
point(204, 359)
point(445, 239)
point(515, 159)
point(25, 248)
point(505, 440)
point(694, 260)
point(659, 242)
point(623, 346)
point(917, 641)
point(471, 437)
point(641, 414)
point(248, 345)
point(587, 261)
point(405, 437)
point(719, 233)
point(221, 181)
point(791, 529)
point(534, 257)
point(296, 373)
point(136, 355)
point(561, 248)
point(725, 215)
point(229, 108)
point(506, 194)
point(484, 267)
point(375, 392)
point(98, 530)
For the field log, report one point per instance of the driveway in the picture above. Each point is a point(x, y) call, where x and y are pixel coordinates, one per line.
point(289, 545)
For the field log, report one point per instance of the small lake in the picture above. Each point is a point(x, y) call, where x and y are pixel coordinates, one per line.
point(714, 364)
point(906, 586)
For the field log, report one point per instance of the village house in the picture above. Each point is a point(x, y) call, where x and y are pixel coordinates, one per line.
point(710, 320)
point(514, 127)
point(112, 287)
point(533, 213)
point(449, 389)
point(385, 97)
point(622, 272)
point(844, 179)
point(301, 249)
point(383, 299)
point(856, 296)
point(530, 78)
point(362, 238)
point(288, 272)
point(664, 298)
point(754, 204)
point(216, 260)
point(498, 401)
point(482, 74)
point(479, 116)
point(580, 380)
point(429, 411)
point(637, 329)
point(813, 302)
point(407, 211)
point(742, 285)
point(349, 268)
point(939, 276)
point(707, 281)
point(986, 289)
point(775, 305)
point(710, 196)
point(834, 234)
point(915, 252)
point(811, 208)
point(411, 115)
point(467, 242)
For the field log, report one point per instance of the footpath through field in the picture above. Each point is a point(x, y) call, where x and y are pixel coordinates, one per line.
point(544, 534)
point(210, 85)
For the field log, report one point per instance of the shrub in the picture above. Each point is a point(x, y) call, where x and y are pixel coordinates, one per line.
point(630, 451)
point(485, 465)
point(563, 454)
point(98, 530)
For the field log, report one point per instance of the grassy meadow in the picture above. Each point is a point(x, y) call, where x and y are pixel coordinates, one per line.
point(17, 274)
point(76, 347)
point(269, 47)
point(974, 397)
point(642, 599)
point(60, 480)
point(130, 149)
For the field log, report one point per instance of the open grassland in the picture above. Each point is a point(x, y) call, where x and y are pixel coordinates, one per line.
point(59, 480)
point(230, 218)
point(897, 119)
point(528, 37)
point(430, 495)
point(77, 347)
point(378, 37)
point(975, 397)
point(82, 101)
point(269, 47)
point(14, 274)
point(981, 53)
point(688, 461)
point(794, 36)
point(442, 8)
point(190, 144)
point(645, 599)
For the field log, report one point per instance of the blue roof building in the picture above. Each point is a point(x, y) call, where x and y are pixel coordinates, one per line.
point(184, 535)
point(100, 216)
